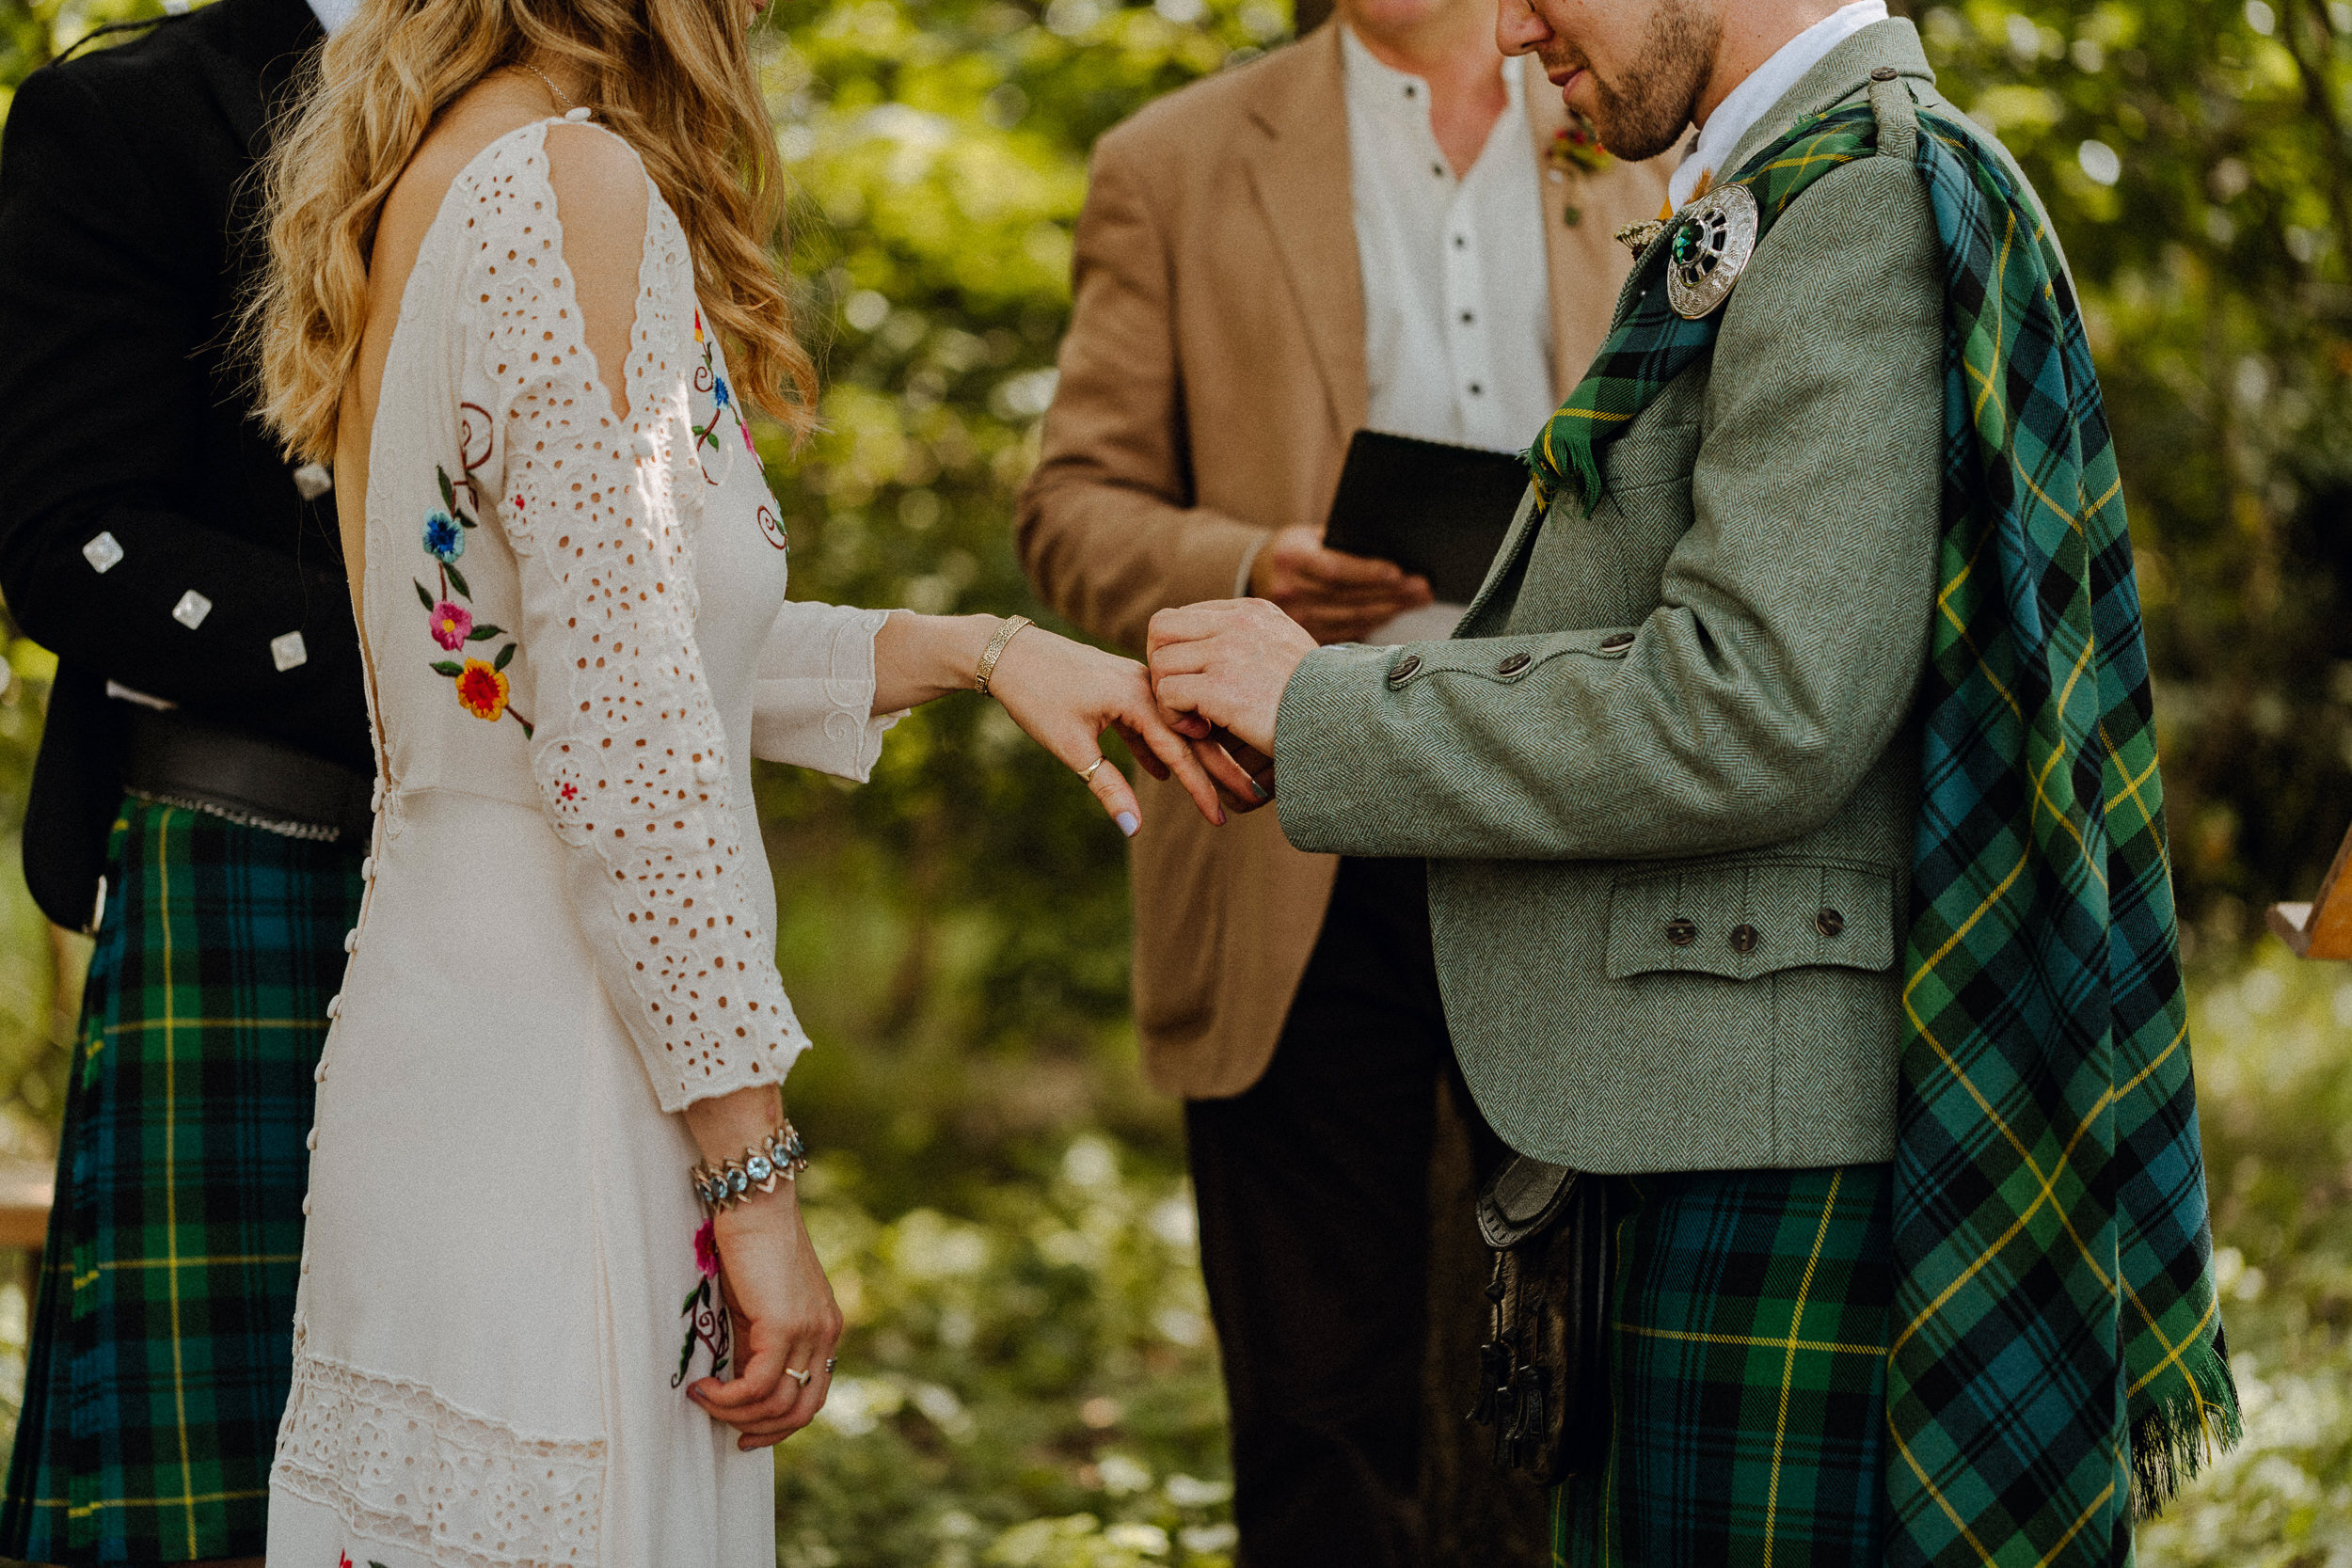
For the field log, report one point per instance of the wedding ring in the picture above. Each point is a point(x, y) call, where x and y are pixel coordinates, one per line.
point(1088, 772)
point(829, 1361)
point(799, 1376)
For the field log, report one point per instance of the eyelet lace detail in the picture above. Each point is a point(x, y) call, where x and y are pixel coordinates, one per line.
point(399, 1465)
point(629, 754)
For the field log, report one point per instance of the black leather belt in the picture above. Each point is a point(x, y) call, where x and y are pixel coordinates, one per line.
point(183, 761)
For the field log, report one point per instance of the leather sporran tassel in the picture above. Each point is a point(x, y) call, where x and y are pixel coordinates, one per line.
point(1494, 1356)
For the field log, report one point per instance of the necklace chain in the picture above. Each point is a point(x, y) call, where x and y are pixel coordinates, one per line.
point(559, 96)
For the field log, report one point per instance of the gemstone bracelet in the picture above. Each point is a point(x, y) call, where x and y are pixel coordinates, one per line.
point(780, 1158)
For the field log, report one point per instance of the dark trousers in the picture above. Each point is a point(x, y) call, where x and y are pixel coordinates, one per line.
point(1314, 1187)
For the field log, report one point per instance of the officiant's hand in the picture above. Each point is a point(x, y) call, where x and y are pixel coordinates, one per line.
point(1223, 665)
point(1336, 596)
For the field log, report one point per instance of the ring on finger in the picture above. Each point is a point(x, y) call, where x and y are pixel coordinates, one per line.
point(1088, 772)
point(799, 1376)
point(829, 1364)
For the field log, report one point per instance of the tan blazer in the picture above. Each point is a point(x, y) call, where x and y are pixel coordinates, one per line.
point(1211, 377)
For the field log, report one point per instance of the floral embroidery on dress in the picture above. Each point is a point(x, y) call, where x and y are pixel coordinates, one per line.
point(722, 400)
point(347, 1563)
point(705, 1312)
point(483, 688)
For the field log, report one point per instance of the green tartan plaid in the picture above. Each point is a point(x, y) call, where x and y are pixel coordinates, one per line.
point(2059, 1366)
point(162, 1345)
point(1747, 1375)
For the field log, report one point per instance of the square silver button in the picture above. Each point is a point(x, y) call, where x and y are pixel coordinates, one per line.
point(287, 652)
point(191, 609)
point(103, 552)
point(313, 480)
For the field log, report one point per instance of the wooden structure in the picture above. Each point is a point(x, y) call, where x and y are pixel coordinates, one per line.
point(2323, 927)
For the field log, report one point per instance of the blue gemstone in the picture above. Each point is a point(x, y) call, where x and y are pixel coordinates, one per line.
point(758, 1167)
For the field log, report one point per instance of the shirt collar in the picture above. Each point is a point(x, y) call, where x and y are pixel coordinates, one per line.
point(1374, 84)
point(332, 14)
point(1766, 85)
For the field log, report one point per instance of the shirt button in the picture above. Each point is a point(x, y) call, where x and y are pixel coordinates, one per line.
point(1829, 922)
point(1515, 663)
point(1744, 939)
point(1681, 932)
point(1405, 668)
point(351, 940)
point(318, 1073)
point(313, 1141)
point(335, 1005)
point(305, 1203)
point(706, 769)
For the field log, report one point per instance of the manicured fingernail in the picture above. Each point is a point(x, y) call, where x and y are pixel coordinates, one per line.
point(1127, 823)
point(1260, 789)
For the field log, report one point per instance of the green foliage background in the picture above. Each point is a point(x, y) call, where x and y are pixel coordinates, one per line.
point(1029, 1379)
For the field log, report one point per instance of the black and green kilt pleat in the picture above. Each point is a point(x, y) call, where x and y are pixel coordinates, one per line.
point(162, 1333)
point(1747, 1374)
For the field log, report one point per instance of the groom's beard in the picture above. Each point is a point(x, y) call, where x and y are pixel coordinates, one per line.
point(1646, 110)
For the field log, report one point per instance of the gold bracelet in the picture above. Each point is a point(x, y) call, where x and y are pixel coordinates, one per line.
point(996, 644)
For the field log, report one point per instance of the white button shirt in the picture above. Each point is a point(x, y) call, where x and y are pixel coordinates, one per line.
point(1457, 292)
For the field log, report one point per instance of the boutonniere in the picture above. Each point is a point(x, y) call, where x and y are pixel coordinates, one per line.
point(1577, 145)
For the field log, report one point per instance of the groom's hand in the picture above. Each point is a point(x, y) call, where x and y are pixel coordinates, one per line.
point(1224, 664)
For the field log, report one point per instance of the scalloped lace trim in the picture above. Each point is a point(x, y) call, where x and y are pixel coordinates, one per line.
point(401, 1465)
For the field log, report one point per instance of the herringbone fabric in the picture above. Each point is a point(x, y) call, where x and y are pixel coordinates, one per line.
point(163, 1340)
point(1747, 1375)
point(2058, 1365)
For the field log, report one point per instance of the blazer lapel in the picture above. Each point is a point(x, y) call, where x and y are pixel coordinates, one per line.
point(1301, 175)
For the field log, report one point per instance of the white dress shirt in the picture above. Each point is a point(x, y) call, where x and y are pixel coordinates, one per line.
point(1766, 85)
point(1457, 291)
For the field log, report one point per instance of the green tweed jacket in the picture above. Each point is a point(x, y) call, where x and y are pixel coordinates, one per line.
point(1666, 771)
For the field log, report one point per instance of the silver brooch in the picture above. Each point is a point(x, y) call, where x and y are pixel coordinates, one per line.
point(1713, 238)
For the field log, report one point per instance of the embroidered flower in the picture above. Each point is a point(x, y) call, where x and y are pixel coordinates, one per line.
point(706, 1250)
point(483, 690)
point(569, 791)
point(698, 327)
point(720, 395)
point(451, 625)
point(444, 540)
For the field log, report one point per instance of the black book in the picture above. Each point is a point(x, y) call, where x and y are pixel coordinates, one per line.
point(1439, 511)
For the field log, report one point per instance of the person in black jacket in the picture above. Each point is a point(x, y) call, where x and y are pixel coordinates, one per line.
point(202, 794)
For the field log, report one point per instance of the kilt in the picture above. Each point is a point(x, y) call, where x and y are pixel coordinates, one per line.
point(162, 1333)
point(1747, 1375)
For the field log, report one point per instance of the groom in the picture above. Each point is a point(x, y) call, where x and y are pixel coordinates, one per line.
point(1795, 837)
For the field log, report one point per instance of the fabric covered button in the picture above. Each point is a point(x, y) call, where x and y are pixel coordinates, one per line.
point(351, 940)
point(1681, 932)
point(1405, 669)
point(305, 1203)
point(1515, 663)
point(313, 1140)
point(1829, 922)
point(367, 869)
point(642, 444)
point(102, 553)
point(707, 770)
point(288, 652)
point(318, 1073)
point(1744, 939)
point(335, 1005)
point(1615, 641)
point(191, 609)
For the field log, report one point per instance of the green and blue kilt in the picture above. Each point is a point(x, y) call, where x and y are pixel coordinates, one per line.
point(1747, 1375)
point(162, 1337)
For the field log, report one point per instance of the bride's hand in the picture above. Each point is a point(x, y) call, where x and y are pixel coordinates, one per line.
point(1066, 695)
point(783, 1317)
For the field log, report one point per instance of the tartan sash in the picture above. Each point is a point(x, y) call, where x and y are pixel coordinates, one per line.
point(2056, 1365)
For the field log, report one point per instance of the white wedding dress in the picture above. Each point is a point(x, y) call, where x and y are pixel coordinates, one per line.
point(577, 639)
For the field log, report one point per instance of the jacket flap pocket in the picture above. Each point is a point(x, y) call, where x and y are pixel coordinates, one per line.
point(1742, 921)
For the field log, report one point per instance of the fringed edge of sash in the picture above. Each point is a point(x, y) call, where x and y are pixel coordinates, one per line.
point(2179, 1436)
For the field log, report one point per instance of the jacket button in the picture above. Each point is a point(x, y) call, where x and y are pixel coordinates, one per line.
point(1515, 663)
point(1884, 74)
point(1829, 922)
point(1744, 939)
point(1405, 669)
point(1615, 641)
point(1681, 932)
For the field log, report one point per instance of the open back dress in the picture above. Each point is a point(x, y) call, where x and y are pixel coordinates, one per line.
point(577, 639)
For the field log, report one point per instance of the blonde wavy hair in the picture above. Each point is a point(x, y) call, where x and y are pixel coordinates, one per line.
point(671, 77)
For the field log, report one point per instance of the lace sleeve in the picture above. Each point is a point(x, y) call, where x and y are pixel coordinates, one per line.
point(814, 704)
point(628, 751)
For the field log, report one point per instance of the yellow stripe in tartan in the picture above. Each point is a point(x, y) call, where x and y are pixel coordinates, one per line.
point(1895, 1435)
point(1998, 289)
point(2098, 1506)
point(1583, 414)
point(2130, 785)
point(2172, 1351)
point(172, 1186)
point(1944, 605)
point(1789, 1366)
point(223, 1261)
point(84, 1510)
point(1751, 1342)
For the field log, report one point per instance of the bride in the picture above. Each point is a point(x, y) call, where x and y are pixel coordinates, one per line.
point(519, 294)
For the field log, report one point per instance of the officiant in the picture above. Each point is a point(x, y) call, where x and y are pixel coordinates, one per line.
point(1384, 225)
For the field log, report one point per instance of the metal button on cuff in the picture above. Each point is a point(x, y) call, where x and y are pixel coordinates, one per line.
point(1406, 669)
point(1515, 663)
